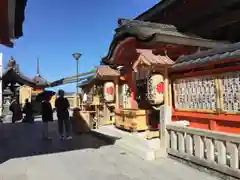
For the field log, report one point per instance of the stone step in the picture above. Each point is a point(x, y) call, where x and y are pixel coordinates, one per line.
point(133, 143)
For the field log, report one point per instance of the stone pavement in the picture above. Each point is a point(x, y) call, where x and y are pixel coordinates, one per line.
point(24, 156)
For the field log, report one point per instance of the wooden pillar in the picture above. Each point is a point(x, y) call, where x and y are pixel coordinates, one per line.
point(164, 116)
point(117, 94)
point(166, 86)
point(133, 90)
point(170, 93)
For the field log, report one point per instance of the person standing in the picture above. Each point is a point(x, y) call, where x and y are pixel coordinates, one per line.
point(28, 111)
point(47, 116)
point(62, 106)
point(16, 110)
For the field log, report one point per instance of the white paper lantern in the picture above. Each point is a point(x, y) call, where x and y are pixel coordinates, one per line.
point(155, 89)
point(109, 91)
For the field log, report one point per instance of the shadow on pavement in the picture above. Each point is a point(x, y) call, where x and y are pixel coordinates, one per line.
point(23, 140)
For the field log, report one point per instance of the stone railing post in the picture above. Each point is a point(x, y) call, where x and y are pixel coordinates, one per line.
point(165, 118)
point(215, 150)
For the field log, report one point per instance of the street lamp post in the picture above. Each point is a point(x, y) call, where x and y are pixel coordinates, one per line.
point(76, 56)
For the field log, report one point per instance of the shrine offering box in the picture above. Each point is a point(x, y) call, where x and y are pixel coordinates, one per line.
point(131, 120)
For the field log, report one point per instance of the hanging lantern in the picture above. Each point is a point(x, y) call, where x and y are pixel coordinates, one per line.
point(155, 88)
point(109, 91)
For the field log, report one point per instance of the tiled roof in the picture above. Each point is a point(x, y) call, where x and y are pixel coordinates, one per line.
point(152, 33)
point(106, 71)
point(154, 59)
point(103, 72)
point(130, 22)
point(217, 54)
point(13, 74)
point(150, 28)
point(38, 79)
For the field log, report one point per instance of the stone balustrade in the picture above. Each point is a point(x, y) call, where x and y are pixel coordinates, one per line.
point(215, 150)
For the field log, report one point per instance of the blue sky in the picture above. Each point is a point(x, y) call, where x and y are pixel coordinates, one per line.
point(54, 29)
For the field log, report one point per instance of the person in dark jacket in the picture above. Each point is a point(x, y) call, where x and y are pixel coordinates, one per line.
point(47, 116)
point(28, 111)
point(62, 106)
point(16, 110)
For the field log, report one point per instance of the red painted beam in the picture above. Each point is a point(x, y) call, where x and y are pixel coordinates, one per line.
point(208, 72)
point(121, 49)
point(4, 29)
point(216, 117)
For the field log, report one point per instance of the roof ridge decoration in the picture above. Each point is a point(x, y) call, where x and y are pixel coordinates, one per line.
point(132, 22)
point(217, 54)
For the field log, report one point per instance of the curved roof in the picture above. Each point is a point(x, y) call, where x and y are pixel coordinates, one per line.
point(102, 73)
point(40, 80)
point(152, 33)
point(148, 58)
point(14, 75)
point(11, 75)
point(106, 71)
point(217, 54)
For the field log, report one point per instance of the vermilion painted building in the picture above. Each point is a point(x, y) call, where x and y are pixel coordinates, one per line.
point(11, 20)
point(220, 20)
point(147, 51)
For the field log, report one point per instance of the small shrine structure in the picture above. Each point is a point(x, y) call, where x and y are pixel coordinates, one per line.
point(146, 51)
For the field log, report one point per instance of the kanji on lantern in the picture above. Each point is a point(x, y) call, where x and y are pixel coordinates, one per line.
point(160, 87)
point(110, 90)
